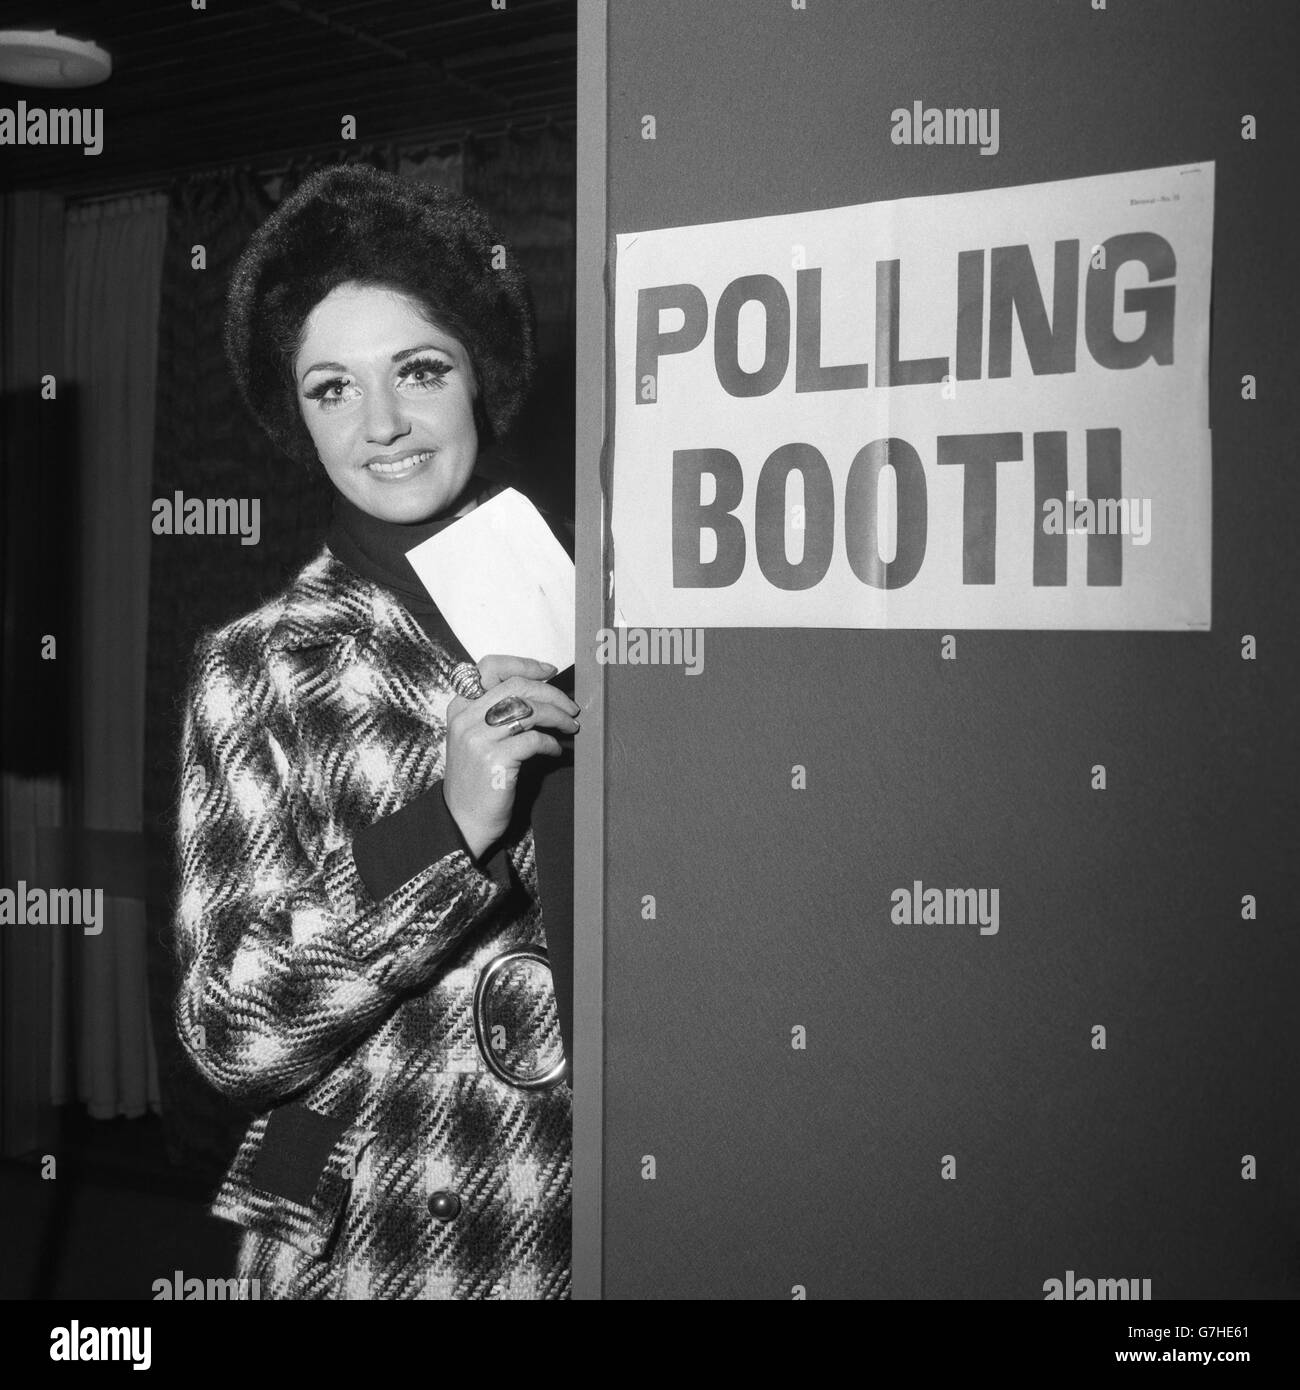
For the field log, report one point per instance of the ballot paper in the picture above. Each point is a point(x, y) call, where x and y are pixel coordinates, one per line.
point(502, 581)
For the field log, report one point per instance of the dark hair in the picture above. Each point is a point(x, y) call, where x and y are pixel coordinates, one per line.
point(355, 224)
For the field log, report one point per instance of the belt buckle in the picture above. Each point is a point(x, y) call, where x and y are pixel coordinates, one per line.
point(544, 1079)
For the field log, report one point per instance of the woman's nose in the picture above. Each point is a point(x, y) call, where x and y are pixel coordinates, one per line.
point(385, 419)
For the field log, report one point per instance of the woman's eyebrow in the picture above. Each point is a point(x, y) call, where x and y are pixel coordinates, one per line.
point(323, 367)
point(425, 347)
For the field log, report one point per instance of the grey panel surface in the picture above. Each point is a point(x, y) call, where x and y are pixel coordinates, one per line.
point(589, 772)
point(776, 1167)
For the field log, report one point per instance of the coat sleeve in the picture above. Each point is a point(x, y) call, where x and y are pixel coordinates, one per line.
point(285, 962)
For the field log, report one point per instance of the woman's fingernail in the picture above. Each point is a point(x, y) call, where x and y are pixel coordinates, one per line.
point(546, 666)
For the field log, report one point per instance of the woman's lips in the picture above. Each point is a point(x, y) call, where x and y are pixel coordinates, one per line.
point(399, 465)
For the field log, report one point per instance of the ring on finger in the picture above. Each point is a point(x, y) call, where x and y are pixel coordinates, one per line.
point(512, 710)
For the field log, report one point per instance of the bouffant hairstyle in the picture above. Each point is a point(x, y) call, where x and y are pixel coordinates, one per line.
point(352, 223)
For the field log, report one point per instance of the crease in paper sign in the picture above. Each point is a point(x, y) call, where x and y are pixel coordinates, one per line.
point(520, 596)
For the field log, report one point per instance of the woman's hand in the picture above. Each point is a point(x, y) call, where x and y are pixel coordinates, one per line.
point(483, 761)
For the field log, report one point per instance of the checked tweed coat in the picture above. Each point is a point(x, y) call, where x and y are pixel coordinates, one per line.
point(349, 1021)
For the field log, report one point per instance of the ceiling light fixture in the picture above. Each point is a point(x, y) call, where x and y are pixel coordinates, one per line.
point(46, 58)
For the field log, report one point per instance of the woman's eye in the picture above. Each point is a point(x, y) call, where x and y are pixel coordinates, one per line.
point(332, 393)
point(425, 373)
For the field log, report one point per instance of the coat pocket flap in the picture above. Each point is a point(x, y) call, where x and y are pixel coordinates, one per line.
point(292, 1176)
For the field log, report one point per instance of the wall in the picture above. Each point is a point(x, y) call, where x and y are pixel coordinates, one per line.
point(778, 1168)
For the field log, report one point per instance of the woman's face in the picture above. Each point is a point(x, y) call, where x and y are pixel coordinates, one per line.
point(389, 402)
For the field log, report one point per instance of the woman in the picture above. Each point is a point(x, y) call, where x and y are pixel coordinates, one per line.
point(361, 939)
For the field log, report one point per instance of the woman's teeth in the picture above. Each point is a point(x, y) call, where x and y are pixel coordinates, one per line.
point(400, 466)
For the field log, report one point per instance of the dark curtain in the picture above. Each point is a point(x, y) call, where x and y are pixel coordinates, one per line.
point(112, 281)
point(38, 585)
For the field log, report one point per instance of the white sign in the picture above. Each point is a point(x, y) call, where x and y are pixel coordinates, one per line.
point(979, 410)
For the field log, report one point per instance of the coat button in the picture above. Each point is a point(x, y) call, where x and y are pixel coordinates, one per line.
point(445, 1205)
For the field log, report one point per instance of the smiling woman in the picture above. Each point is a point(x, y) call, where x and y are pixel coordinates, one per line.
point(393, 425)
point(362, 941)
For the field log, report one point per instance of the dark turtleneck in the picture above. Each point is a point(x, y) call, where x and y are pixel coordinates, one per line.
point(396, 848)
point(376, 550)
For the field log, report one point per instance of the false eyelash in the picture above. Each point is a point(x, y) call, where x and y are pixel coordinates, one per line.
point(434, 365)
point(323, 388)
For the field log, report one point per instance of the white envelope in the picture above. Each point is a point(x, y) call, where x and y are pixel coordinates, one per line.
point(503, 581)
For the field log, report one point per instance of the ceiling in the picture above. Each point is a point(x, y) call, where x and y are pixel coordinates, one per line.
point(253, 80)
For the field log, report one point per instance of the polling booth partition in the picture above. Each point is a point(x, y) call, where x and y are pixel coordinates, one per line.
point(932, 880)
